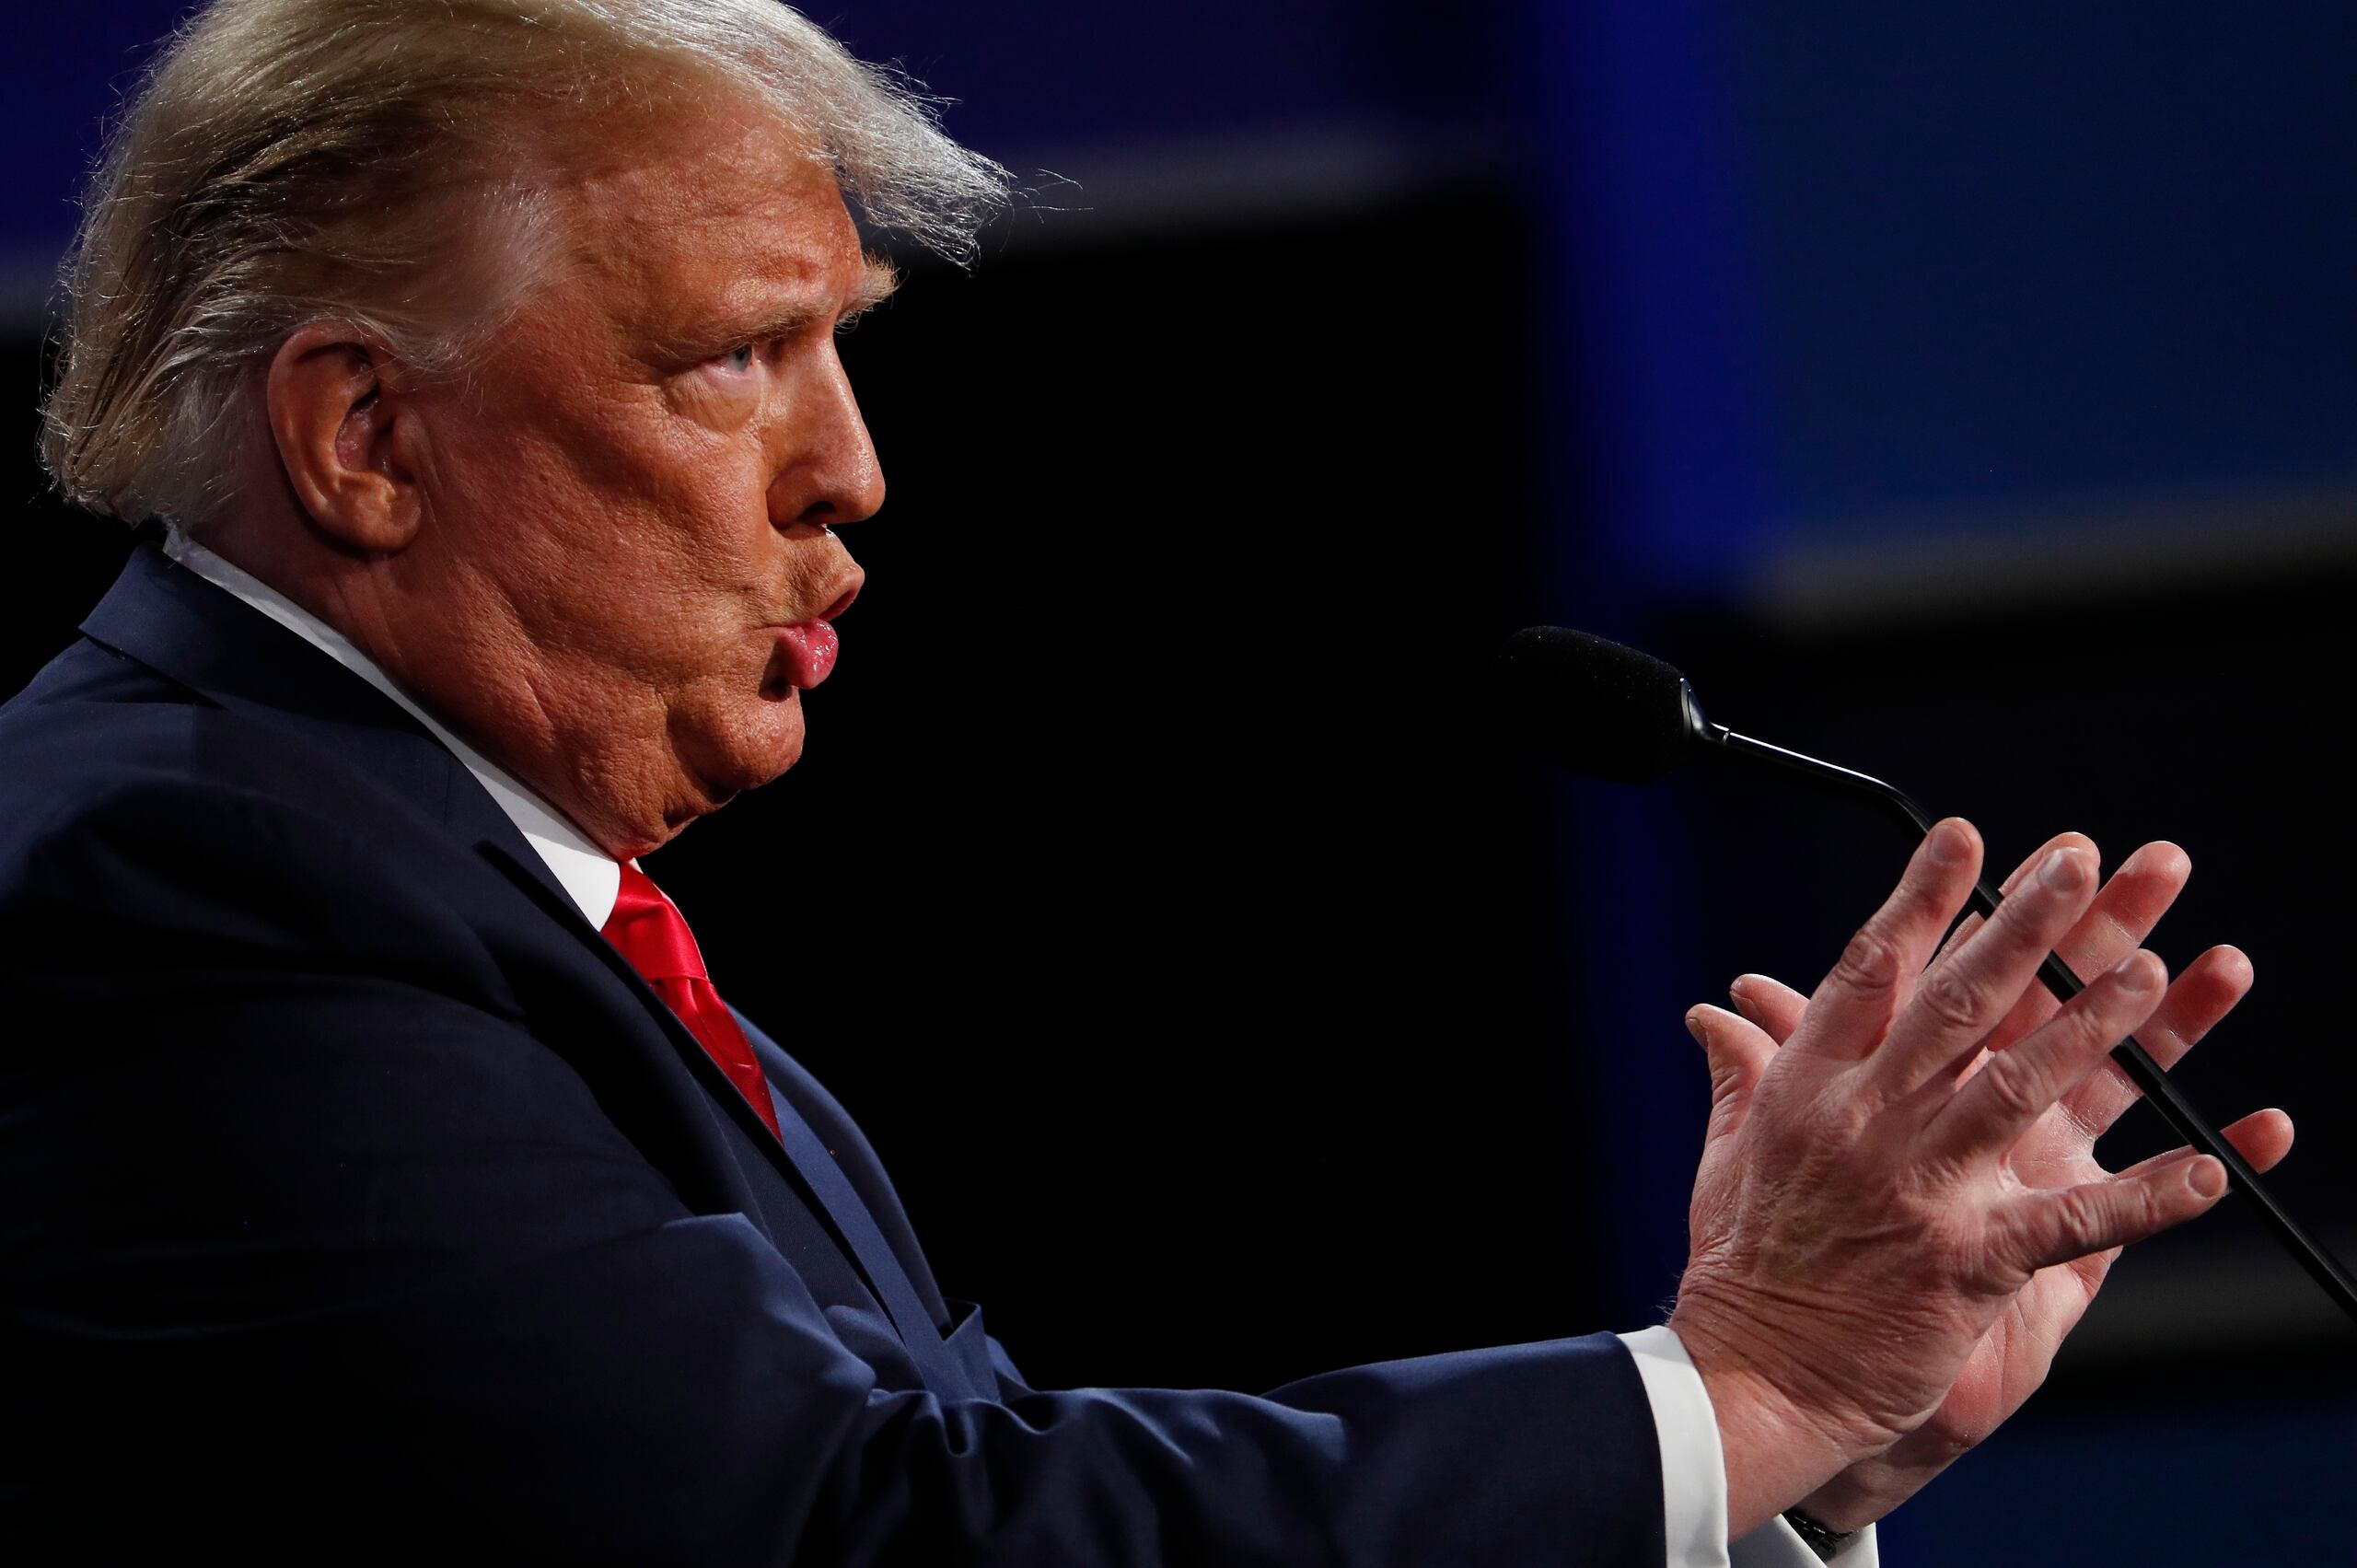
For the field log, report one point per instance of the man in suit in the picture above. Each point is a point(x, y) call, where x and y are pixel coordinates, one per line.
point(384, 1176)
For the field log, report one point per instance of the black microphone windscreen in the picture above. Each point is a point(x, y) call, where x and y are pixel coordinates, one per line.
point(1589, 704)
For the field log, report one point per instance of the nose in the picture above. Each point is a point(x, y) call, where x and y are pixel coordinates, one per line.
point(828, 473)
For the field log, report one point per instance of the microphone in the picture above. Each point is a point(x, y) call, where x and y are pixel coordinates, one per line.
point(1593, 705)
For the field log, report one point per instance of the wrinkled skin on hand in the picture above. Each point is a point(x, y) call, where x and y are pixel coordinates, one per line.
point(2011, 1359)
point(1897, 1215)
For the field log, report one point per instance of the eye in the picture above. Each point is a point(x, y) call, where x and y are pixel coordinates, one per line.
point(739, 358)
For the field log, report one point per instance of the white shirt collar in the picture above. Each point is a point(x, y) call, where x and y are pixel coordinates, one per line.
point(588, 873)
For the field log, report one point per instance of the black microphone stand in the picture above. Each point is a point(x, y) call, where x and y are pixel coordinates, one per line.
point(1719, 742)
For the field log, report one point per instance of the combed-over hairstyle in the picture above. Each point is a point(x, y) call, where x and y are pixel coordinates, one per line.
point(388, 163)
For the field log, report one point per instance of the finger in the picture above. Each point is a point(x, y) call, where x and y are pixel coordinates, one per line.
point(2205, 993)
point(1955, 1006)
point(2131, 903)
point(2263, 1137)
point(1854, 1006)
point(1972, 923)
point(1957, 938)
point(2040, 1229)
point(2127, 908)
point(1737, 1054)
point(2016, 1086)
point(1771, 1005)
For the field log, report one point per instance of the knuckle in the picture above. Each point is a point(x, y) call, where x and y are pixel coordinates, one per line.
point(2018, 1084)
point(1870, 962)
point(2082, 1218)
point(1953, 999)
point(2091, 1030)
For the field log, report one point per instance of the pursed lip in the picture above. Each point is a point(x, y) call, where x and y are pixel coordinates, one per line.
point(846, 589)
point(808, 648)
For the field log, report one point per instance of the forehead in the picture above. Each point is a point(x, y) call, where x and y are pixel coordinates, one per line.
point(705, 220)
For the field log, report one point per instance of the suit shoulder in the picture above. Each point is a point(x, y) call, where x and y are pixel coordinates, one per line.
point(89, 671)
point(93, 716)
point(174, 823)
point(138, 814)
point(99, 743)
point(134, 761)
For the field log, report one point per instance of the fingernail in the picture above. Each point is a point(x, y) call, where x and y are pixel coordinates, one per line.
point(1948, 845)
point(2135, 973)
point(2064, 872)
point(1694, 1025)
point(2206, 1176)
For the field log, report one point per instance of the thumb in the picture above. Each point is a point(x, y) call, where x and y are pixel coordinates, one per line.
point(1737, 1052)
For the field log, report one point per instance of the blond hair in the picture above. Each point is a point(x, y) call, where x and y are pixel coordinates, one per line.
point(387, 163)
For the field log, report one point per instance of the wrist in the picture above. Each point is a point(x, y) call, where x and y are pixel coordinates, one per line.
point(1779, 1445)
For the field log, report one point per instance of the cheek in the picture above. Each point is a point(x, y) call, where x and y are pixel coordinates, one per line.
point(623, 535)
point(611, 514)
point(670, 485)
point(677, 593)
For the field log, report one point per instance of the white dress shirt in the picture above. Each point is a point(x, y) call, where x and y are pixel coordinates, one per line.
point(1694, 1474)
point(1694, 1486)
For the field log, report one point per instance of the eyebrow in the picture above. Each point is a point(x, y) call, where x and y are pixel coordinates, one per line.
point(877, 281)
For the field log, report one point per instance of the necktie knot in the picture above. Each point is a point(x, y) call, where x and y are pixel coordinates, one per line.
point(649, 931)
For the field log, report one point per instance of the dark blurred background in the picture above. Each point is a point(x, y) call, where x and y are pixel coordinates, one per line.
point(1966, 393)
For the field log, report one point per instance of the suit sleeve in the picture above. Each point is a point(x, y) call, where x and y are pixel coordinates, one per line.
point(307, 1240)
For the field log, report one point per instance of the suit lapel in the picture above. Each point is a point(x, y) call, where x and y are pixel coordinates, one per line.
point(798, 1154)
point(689, 1050)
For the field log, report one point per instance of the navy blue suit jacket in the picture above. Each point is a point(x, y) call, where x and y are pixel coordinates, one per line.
point(357, 1202)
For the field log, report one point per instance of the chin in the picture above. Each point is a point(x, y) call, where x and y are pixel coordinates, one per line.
point(725, 745)
point(759, 743)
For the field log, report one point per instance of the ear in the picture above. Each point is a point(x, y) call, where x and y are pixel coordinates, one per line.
point(347, 436)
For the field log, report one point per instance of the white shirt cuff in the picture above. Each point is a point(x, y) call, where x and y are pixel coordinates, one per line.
point(1694, 1474)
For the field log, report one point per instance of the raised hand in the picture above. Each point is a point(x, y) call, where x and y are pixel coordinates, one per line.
point(1859, 1223)
point(2013, 1358)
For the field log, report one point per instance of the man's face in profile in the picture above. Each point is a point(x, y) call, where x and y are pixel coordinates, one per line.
point(647, 459)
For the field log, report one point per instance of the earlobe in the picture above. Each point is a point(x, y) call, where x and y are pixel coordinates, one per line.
point(334, 409)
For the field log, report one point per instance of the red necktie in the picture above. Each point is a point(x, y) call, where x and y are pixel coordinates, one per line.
point(649, 931)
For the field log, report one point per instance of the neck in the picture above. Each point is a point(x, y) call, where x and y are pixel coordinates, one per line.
point(455, 644)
